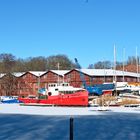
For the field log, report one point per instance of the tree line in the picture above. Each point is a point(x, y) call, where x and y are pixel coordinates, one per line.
point(132, 60)
point(9, 63)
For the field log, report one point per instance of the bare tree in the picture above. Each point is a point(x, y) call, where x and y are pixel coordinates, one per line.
point(63, 60)
point(7, 62)
point(35, 63)
point(91, 66)
point(102, 65)
point(9, 85)
point(8, 82)
point(132, 60)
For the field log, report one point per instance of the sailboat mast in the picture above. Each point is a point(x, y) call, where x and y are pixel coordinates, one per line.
point(104, 72)
point(114, 64)
point(137, 64)
point(123, 62)
point(38, 83)
point(58, 74)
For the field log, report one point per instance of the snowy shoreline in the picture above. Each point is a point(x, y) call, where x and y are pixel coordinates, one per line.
point(50, 111)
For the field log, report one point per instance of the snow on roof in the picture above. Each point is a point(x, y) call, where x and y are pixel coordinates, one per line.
point(90, 72)
point(132, 74)
point(37, 73)
point(98, 72)
point(18, 74)
point(60, 72)
point(1, 75)
point(108, 72)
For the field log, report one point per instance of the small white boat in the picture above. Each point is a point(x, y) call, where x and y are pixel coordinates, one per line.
point(9, 99)
point(129, 95)
point(103, 108)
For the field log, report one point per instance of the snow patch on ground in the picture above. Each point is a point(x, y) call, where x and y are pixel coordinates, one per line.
point(38, 110)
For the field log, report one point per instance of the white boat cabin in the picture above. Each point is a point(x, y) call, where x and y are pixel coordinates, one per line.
point(61, 88)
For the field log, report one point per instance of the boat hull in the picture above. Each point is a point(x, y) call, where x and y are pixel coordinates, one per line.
point(10, 101)
point(75, 99)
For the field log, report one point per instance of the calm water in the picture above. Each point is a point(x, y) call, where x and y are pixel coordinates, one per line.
point(113, 126)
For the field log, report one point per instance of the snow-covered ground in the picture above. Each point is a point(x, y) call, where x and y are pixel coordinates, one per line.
point(38, 110)
point(52, 123)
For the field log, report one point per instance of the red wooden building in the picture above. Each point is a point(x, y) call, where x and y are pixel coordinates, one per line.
point(28, 83)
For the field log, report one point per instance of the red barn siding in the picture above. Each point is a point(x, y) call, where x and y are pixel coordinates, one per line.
point(73, 77)
point(50, 77)
point(28, 84)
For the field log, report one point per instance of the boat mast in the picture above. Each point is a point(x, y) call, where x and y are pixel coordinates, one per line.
point(114, 80)
point(137, 63)
point(123, 62)
point(58, 74)
point(104, 70)
point(38, 82)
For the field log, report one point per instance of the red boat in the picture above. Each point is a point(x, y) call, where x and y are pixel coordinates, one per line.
point(66, 96)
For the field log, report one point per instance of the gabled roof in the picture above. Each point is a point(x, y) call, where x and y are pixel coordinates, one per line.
point(90, 72)
point(107, 72)
point(40, 73)
point(60, 72)
point(2, 74)
point(18, 74)
point(37, 73)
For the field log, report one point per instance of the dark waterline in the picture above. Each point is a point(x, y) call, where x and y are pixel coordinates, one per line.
point(114, 126)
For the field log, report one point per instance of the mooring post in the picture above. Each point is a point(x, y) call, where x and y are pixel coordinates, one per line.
point(71, 128)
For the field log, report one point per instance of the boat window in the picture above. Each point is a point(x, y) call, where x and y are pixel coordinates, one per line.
point(31, 96)
point(56, 89)
point(67, 92)
point(70, 92)
point(78, 90)
point(49, 93)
